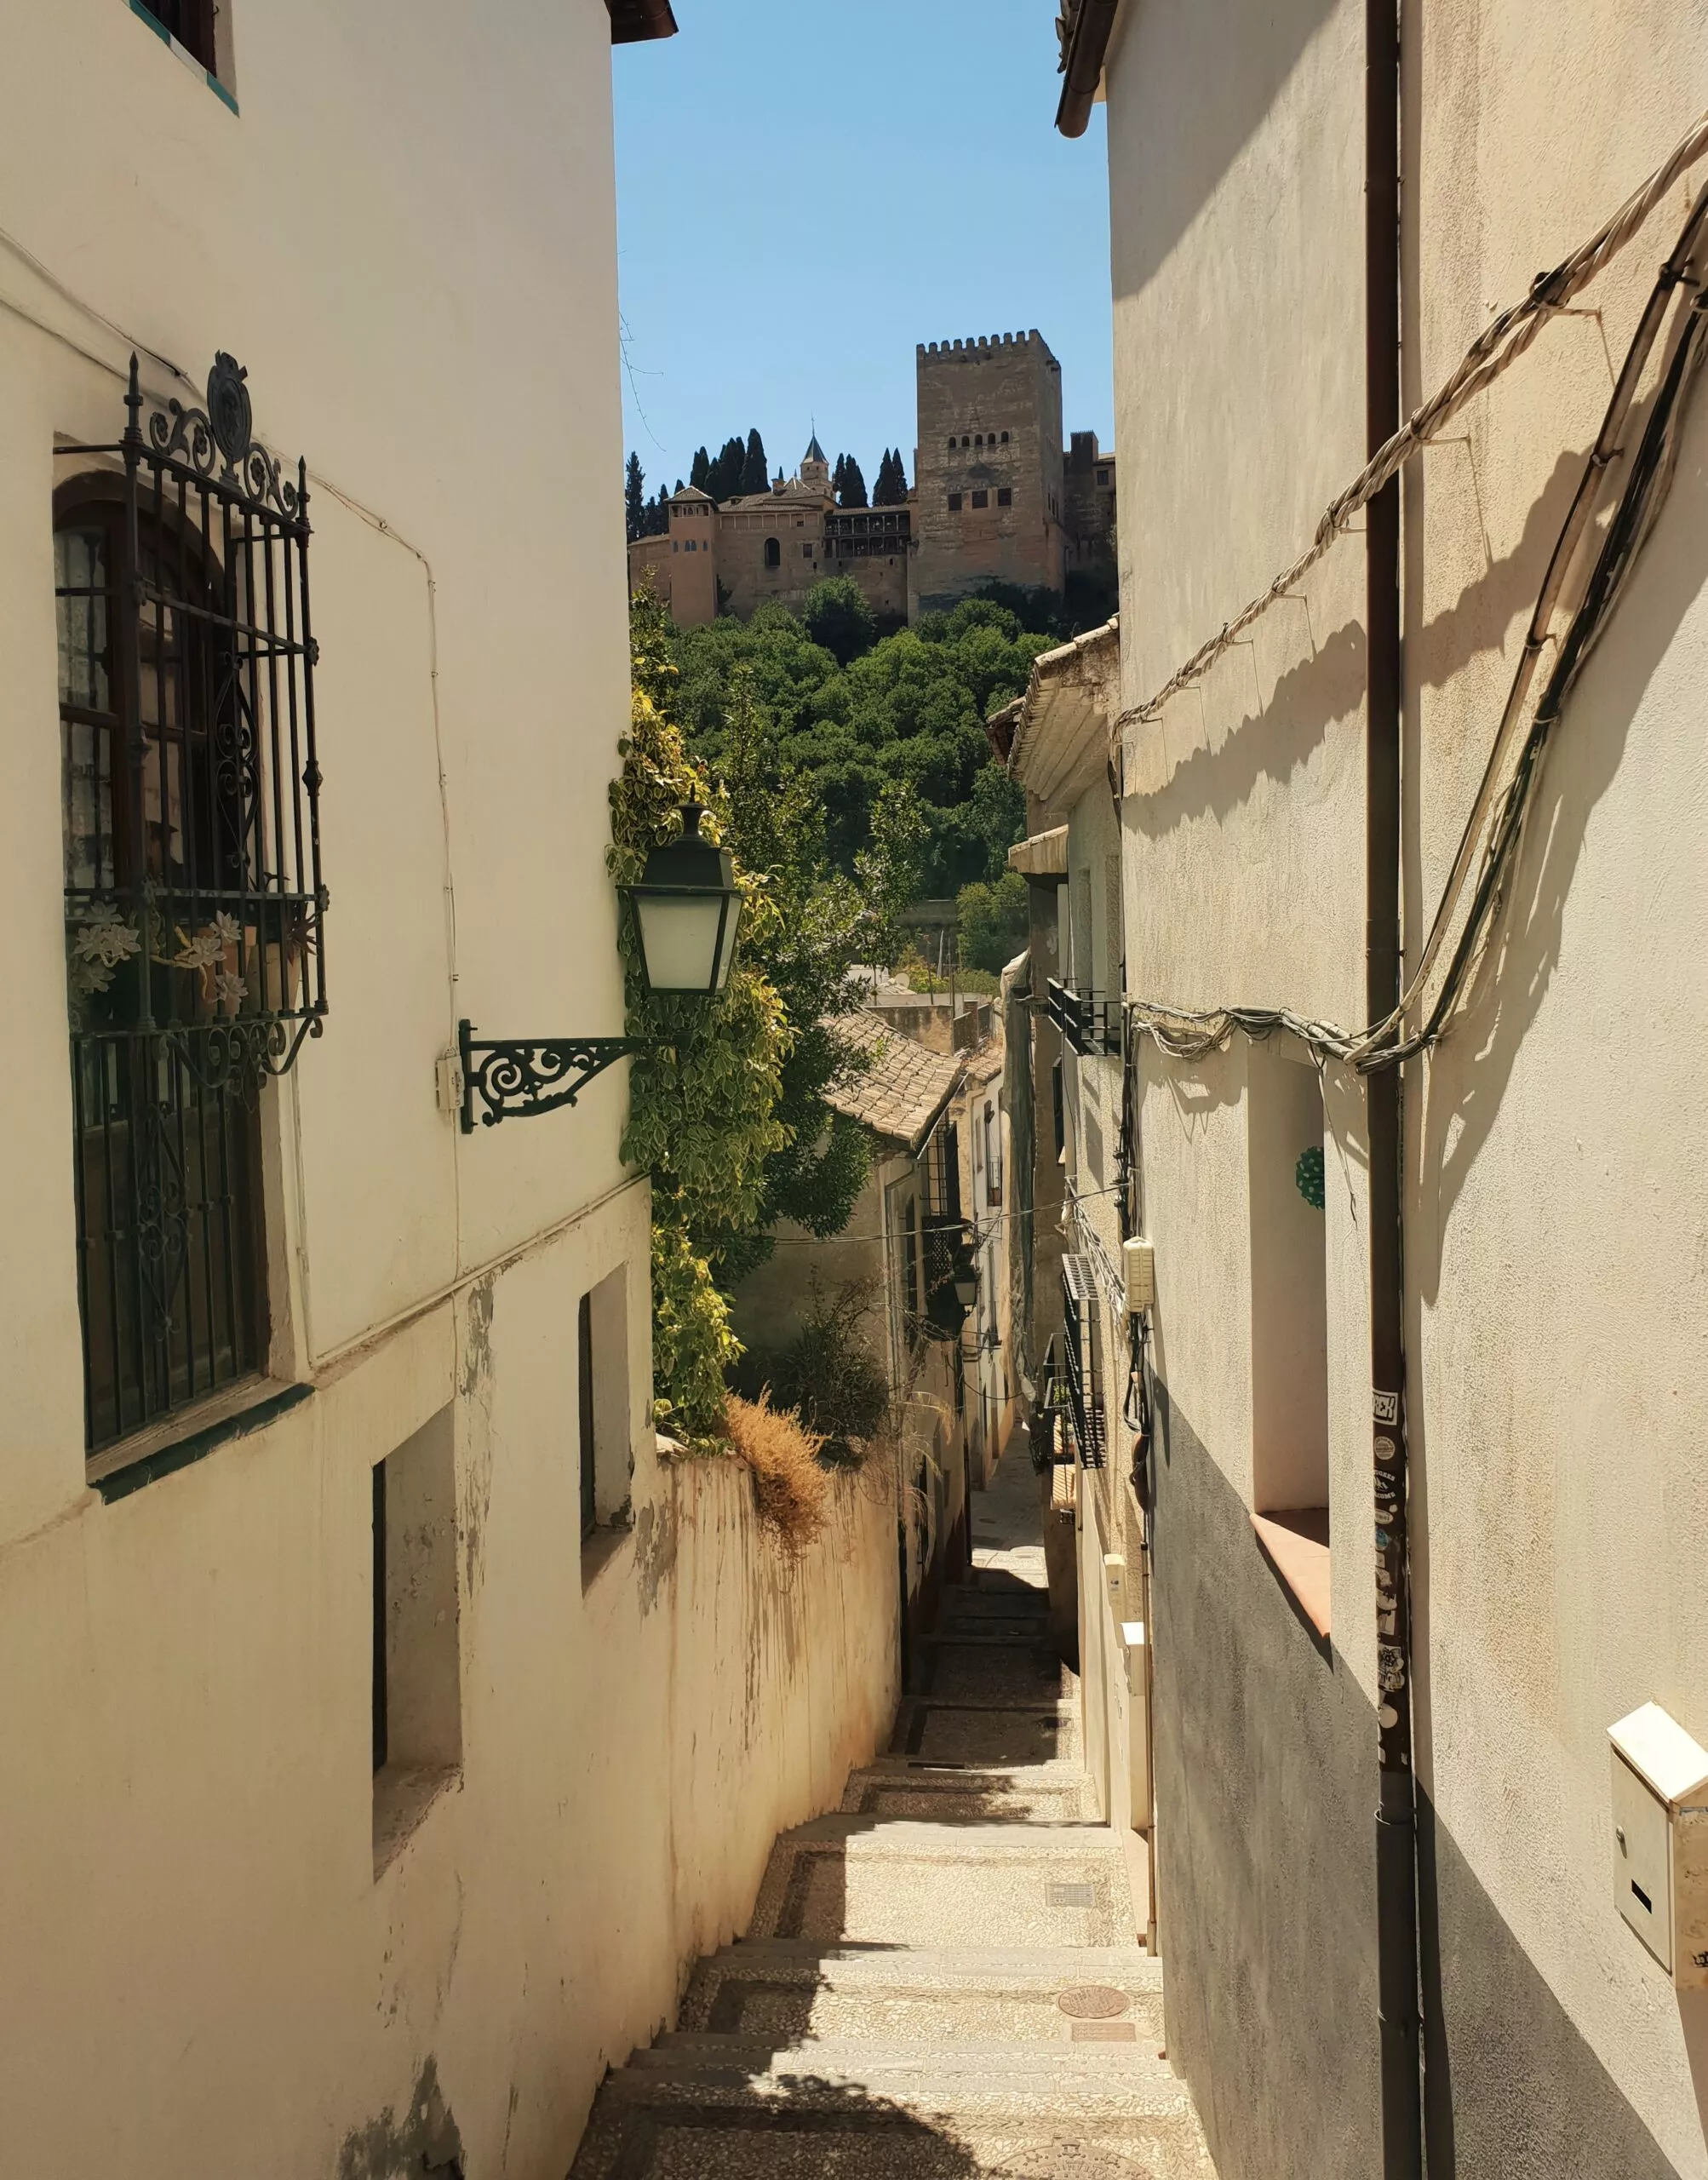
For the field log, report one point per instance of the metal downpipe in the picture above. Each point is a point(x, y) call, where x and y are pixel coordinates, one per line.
point(1397, 1912)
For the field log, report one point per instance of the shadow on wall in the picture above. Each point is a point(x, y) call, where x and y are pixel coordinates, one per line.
point(1260, 47)
point(1328, 684)
point(1469, 1074)
point(1266, 1773)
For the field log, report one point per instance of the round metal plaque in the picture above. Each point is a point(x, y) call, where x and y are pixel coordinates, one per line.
point(1093, 2002)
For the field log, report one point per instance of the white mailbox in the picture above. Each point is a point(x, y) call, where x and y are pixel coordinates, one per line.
point(1660, 1840)
point(1138, 1262)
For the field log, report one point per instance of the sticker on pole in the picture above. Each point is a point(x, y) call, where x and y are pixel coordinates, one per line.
point(1387, 1408)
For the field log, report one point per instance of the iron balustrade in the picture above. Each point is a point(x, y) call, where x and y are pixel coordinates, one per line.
point(1090, 1023)
point(1081, 1357)
point(193, 895)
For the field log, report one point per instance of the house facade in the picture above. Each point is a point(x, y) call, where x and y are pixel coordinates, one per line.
point(1424, 1540)
point(344, 1634)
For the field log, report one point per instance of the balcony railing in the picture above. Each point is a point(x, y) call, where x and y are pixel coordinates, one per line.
point(1090, 1023)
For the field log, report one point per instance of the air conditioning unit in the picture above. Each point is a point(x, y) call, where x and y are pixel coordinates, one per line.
point(1138, 1262)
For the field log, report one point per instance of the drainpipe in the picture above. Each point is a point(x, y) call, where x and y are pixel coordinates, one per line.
point(1396, 1915)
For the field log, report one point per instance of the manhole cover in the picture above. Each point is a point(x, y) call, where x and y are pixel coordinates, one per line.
point(1093, 2002)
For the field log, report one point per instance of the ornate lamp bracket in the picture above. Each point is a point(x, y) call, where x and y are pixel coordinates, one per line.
point(522, 1075)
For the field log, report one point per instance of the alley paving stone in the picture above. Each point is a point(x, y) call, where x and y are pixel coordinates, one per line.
point(911, 2000)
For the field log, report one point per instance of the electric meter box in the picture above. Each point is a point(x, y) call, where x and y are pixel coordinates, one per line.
point(1660, 1840)
point(1138, 1262)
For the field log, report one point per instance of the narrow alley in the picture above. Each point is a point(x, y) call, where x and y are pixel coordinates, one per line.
point(943, 1979)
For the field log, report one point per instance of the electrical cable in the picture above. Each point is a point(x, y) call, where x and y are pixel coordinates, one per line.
point(1495, 350)
point(1190, 1034)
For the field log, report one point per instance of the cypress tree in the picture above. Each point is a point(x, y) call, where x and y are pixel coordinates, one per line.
point(724, 479)
point(753, 466)
point(839, 478)
point(853, 491)
point(699, 470)
point(635, 499)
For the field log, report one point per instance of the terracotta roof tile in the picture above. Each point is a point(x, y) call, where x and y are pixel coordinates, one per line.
point(903, 1090)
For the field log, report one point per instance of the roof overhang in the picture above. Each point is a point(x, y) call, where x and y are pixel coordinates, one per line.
point(1044, 855)
point(1061, 742)
point(1088, 26)
point(632, 21)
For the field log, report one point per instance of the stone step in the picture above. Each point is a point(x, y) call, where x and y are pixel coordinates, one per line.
point(846, 1960)
point(786, 1989)
point(1079, 2084)
point(1044, 1794)
point(985, 1737)
point(878, 2064)
point(850, 2137)
point(908, 1884)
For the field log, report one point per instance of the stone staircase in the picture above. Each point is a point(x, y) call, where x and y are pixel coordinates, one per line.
point(943, 1979)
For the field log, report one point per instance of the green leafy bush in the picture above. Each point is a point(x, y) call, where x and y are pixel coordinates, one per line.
point(992, 921)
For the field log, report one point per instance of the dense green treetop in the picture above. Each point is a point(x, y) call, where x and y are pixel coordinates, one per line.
point(849, 482)
point(754, 475)
point(907, 709)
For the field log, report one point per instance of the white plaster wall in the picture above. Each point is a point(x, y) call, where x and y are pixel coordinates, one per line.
point(1556, 1200)
point(190, 1885)
point(1557, 1263)
point(407, 235)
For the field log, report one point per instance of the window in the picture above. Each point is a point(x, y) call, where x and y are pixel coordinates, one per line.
point(584, 1392)
point(981, 499)
point(992, 1154)
point(417, 1692)
point(806, 552)
point(1005, 438)
point(1289, 1323)
point(604, 1455)
point(191, 22)
point(951, 446)
point(1103, 477)
point(1004, 495)
point(193, 899)
point(965, 440)
point(978, 438)
point(773, 552)
point(954, 503)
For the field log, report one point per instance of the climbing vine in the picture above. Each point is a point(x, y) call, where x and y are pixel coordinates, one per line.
point(704, 1091)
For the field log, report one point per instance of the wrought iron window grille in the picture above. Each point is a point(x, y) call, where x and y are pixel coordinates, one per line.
point(1090, 1023)
point(1081, 1357)
point(194, 900)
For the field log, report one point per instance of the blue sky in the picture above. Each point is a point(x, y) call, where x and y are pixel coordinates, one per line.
point(806, 188)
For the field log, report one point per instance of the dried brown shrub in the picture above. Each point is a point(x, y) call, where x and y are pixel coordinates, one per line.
point(792, 1491)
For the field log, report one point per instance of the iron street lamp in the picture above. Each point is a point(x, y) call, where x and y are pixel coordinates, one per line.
point(687, 911)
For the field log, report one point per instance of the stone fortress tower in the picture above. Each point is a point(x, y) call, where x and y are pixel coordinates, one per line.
point(995, 499)
point(988, 502)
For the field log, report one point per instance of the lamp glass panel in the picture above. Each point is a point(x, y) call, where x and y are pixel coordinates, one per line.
point(732, 924)
point(679, 937)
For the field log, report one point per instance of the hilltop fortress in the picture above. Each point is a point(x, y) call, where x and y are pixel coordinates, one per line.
point(994, 499)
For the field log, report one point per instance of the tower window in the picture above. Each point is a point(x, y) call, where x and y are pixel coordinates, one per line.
point(773, 552)
point(981, 499)
point(965, 440)
point(978, 438)
point(1004, 495)
point(954, 503)
point(951, 446)
point(1005, 438)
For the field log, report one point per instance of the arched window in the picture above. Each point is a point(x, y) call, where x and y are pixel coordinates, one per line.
point(192, 894)
point(951, 443)
point(773, 552)
point(978, 438)
point(965, 440)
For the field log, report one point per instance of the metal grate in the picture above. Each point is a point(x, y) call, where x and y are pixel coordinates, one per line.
point(194, 901)
point(1080, 1356)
